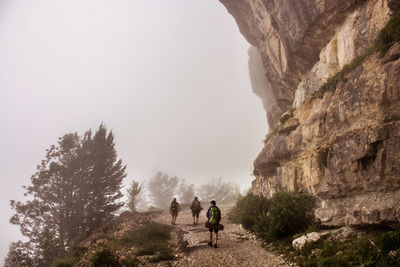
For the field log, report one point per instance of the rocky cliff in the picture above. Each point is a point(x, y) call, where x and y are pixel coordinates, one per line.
point(341, 145)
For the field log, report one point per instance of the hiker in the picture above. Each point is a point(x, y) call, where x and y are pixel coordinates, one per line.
point(196, 209)
point(174, 209)
point(214, 217)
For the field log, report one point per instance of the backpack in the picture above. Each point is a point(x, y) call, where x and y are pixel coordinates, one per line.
point(215, 216)
point(196, 204)
point(174, 206)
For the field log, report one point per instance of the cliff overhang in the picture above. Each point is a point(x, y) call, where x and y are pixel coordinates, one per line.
point(339, 144)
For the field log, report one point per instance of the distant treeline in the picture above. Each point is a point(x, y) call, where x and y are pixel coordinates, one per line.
point(161, 188)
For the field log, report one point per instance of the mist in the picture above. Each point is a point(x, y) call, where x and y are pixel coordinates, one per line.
point(169, 78)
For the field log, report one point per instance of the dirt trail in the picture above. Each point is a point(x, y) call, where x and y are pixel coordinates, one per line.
point(237, 247)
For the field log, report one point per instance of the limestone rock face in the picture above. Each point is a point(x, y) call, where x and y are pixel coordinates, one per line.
point(289, 36)
point(343, 148)
point(351, 39)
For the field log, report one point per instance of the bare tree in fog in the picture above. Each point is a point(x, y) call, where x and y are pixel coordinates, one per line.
point(142, 201)
point(218, 190)
point(74, 191)
point(162, 189)
point(135, 192)
point(186, 192)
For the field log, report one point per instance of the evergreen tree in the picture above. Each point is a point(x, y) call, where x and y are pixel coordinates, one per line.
point(18, 255)
point(74, 191)
point(105, 178)
point(50, 194)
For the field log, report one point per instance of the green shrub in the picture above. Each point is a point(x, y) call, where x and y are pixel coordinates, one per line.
point(64, 262)
point(152, 249)
point(151, 239)
point(104, 258)
point(165, 254)
point(288, 213)
point(283, 119)
point(389, 35)
point(150, 234)
point(132, 262)
point(388, 241)
point(332, 82)
point(271, 133)
point(277, 219)
point(374, 249)
point(394, 5)
point(282, 215)
point(247, 209)
point(286, 115)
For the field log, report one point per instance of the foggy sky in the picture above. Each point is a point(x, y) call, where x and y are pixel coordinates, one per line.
point(170, 78)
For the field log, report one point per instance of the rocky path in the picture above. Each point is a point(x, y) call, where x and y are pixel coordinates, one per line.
point(237, 247)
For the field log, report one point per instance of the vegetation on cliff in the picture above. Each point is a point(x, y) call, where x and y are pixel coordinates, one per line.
point(331, 84)
point(389, 35)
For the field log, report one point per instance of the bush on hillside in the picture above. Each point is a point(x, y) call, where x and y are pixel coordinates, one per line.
point(373, 249)
point(394, 5)
point(282, 215)
point(104, 258)
point(151, 233)
point(288, 214)
point(64, 262)
point(389, 35)
point(152, 239)
point(247, 209)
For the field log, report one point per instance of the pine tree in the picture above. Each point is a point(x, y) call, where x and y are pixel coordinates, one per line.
point(51, 191)
point(18, 255)
point(74, 191)
point(105, 178)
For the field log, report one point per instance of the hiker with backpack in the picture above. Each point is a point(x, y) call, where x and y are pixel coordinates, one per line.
point(214, 217)
point(196, 209)
point(174, 209)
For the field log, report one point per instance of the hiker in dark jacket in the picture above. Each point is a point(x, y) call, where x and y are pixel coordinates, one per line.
point(196, 208)
point(174, 209)
point(214, 217)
